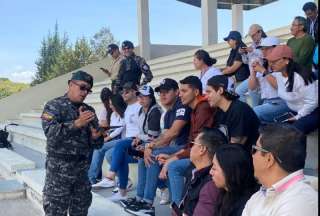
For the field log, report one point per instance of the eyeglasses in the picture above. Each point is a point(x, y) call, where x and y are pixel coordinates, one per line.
point(256, 148)
point(83, 87)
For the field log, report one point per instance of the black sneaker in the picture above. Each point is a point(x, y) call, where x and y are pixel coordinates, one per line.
point(141, 209)
point(128, 202)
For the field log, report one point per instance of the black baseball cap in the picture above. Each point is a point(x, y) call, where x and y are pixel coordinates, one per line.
point(83, 76)
point(111, 48)
point(194, 81)
point(224, 82)
point(235, 35)
point(167, 84)
point(127, 45)
point(130, 85)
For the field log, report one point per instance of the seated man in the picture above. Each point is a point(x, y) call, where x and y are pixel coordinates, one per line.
point(236, 117)
point(174, 137)
point(202, 116)
point(278, 159)
point(200, 194)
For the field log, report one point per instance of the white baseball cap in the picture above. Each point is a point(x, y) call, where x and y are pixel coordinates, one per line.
point(269, 42)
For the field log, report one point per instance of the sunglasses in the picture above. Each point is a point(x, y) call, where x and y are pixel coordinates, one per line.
point(256, 148)
point(83, 88)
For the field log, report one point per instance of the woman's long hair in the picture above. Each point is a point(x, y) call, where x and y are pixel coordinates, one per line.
point(237, 166)
point(153, 102)
point(119, 104)
point(105, 95)
point(293, 67)
point(205, 57)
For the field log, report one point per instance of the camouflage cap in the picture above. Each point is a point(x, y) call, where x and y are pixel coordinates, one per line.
point(83, 76)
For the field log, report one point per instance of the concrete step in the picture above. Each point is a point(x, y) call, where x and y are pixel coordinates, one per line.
point(11, 189)
point(29, 136)
point(11, 163)
point(31, 118)
point(34, 181)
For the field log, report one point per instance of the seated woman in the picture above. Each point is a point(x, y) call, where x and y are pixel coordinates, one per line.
point(232, 172)
point(149, 128)
point(118, 106)
point(297, 86)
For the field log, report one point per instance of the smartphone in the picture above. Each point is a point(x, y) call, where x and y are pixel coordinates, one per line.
point(176, 209)
point(284, 117)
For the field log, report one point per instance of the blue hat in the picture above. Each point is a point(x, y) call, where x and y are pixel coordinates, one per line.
point(235, 35)
point(111, 48)
point(83, 76)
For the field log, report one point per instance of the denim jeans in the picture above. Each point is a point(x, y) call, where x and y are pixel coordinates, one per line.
point(97, 160)
point(243, 88)
point(270, 109)
point(120, 161)
point(176, 173)
point(148, 177)
point(309, 122)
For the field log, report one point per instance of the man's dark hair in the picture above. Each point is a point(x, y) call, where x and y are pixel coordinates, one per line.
point(287, 143)
point(194, 82)
point(309, 6)
point(212, 138)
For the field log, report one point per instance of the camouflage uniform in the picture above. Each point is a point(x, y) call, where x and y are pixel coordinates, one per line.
point(127, 72)
point(67, 187)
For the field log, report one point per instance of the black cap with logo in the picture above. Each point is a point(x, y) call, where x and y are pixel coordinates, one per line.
point(83, 76)
point(167, 84)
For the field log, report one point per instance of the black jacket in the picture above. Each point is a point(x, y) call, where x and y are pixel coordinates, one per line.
point(192, 188)
point(315, 37)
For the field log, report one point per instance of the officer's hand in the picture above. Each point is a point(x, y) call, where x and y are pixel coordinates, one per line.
point(95, 134)
point(84, 118)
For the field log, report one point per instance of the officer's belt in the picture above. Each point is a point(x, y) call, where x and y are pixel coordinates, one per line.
point(67, 157)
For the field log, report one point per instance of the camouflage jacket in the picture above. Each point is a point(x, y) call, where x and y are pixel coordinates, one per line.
point(58, 125)
point(131, 69)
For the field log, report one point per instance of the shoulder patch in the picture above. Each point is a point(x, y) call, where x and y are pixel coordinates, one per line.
point(145, 67)
point(181, 112)
point(46, 116)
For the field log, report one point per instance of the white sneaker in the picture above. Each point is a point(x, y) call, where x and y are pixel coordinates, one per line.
point(104, 183)
point(116, 197)
point(164, 196)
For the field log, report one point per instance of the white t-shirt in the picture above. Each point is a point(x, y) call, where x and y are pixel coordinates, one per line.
point(131, 119)
point(303, 99)
point(116, 120)
point(212, 71)
point(103, 114)
point(267, 91)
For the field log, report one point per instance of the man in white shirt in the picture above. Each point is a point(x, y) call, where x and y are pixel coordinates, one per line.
point(278, 159)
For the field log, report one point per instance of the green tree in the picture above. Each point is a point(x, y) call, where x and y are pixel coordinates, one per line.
point(100, 41)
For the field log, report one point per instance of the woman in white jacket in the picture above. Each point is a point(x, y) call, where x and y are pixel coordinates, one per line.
point(296, 86)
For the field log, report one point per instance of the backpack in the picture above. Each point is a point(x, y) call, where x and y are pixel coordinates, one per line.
point(4, 143)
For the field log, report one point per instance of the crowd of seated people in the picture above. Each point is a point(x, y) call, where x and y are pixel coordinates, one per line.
point(208, 149)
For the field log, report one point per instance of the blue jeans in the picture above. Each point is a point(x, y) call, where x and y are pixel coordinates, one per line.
point(148, 176)
point(120, 161)
point(270, 109)
point(176, 173)
point(97, 160)
point(308, 123)
point(243, 88)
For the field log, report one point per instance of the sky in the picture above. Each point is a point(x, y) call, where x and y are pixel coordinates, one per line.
point(25, 23)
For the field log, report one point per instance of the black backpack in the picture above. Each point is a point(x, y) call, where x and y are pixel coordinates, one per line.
point(4, 143)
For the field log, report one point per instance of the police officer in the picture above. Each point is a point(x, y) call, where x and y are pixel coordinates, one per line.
point(132, 67)
point(114, 68)
point(71, 128)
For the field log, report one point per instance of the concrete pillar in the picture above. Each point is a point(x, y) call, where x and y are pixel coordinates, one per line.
point(209, 15)
point(237, 18)
point(143, 28)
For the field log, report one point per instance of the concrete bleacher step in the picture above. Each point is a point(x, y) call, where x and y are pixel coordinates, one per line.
point(34, 182)
point(11, 163)
point(29, 136)
point(11, 189)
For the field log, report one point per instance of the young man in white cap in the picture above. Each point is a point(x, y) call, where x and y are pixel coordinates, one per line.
point(258, 78)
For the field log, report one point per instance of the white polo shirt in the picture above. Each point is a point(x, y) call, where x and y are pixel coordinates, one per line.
point(291, 196)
